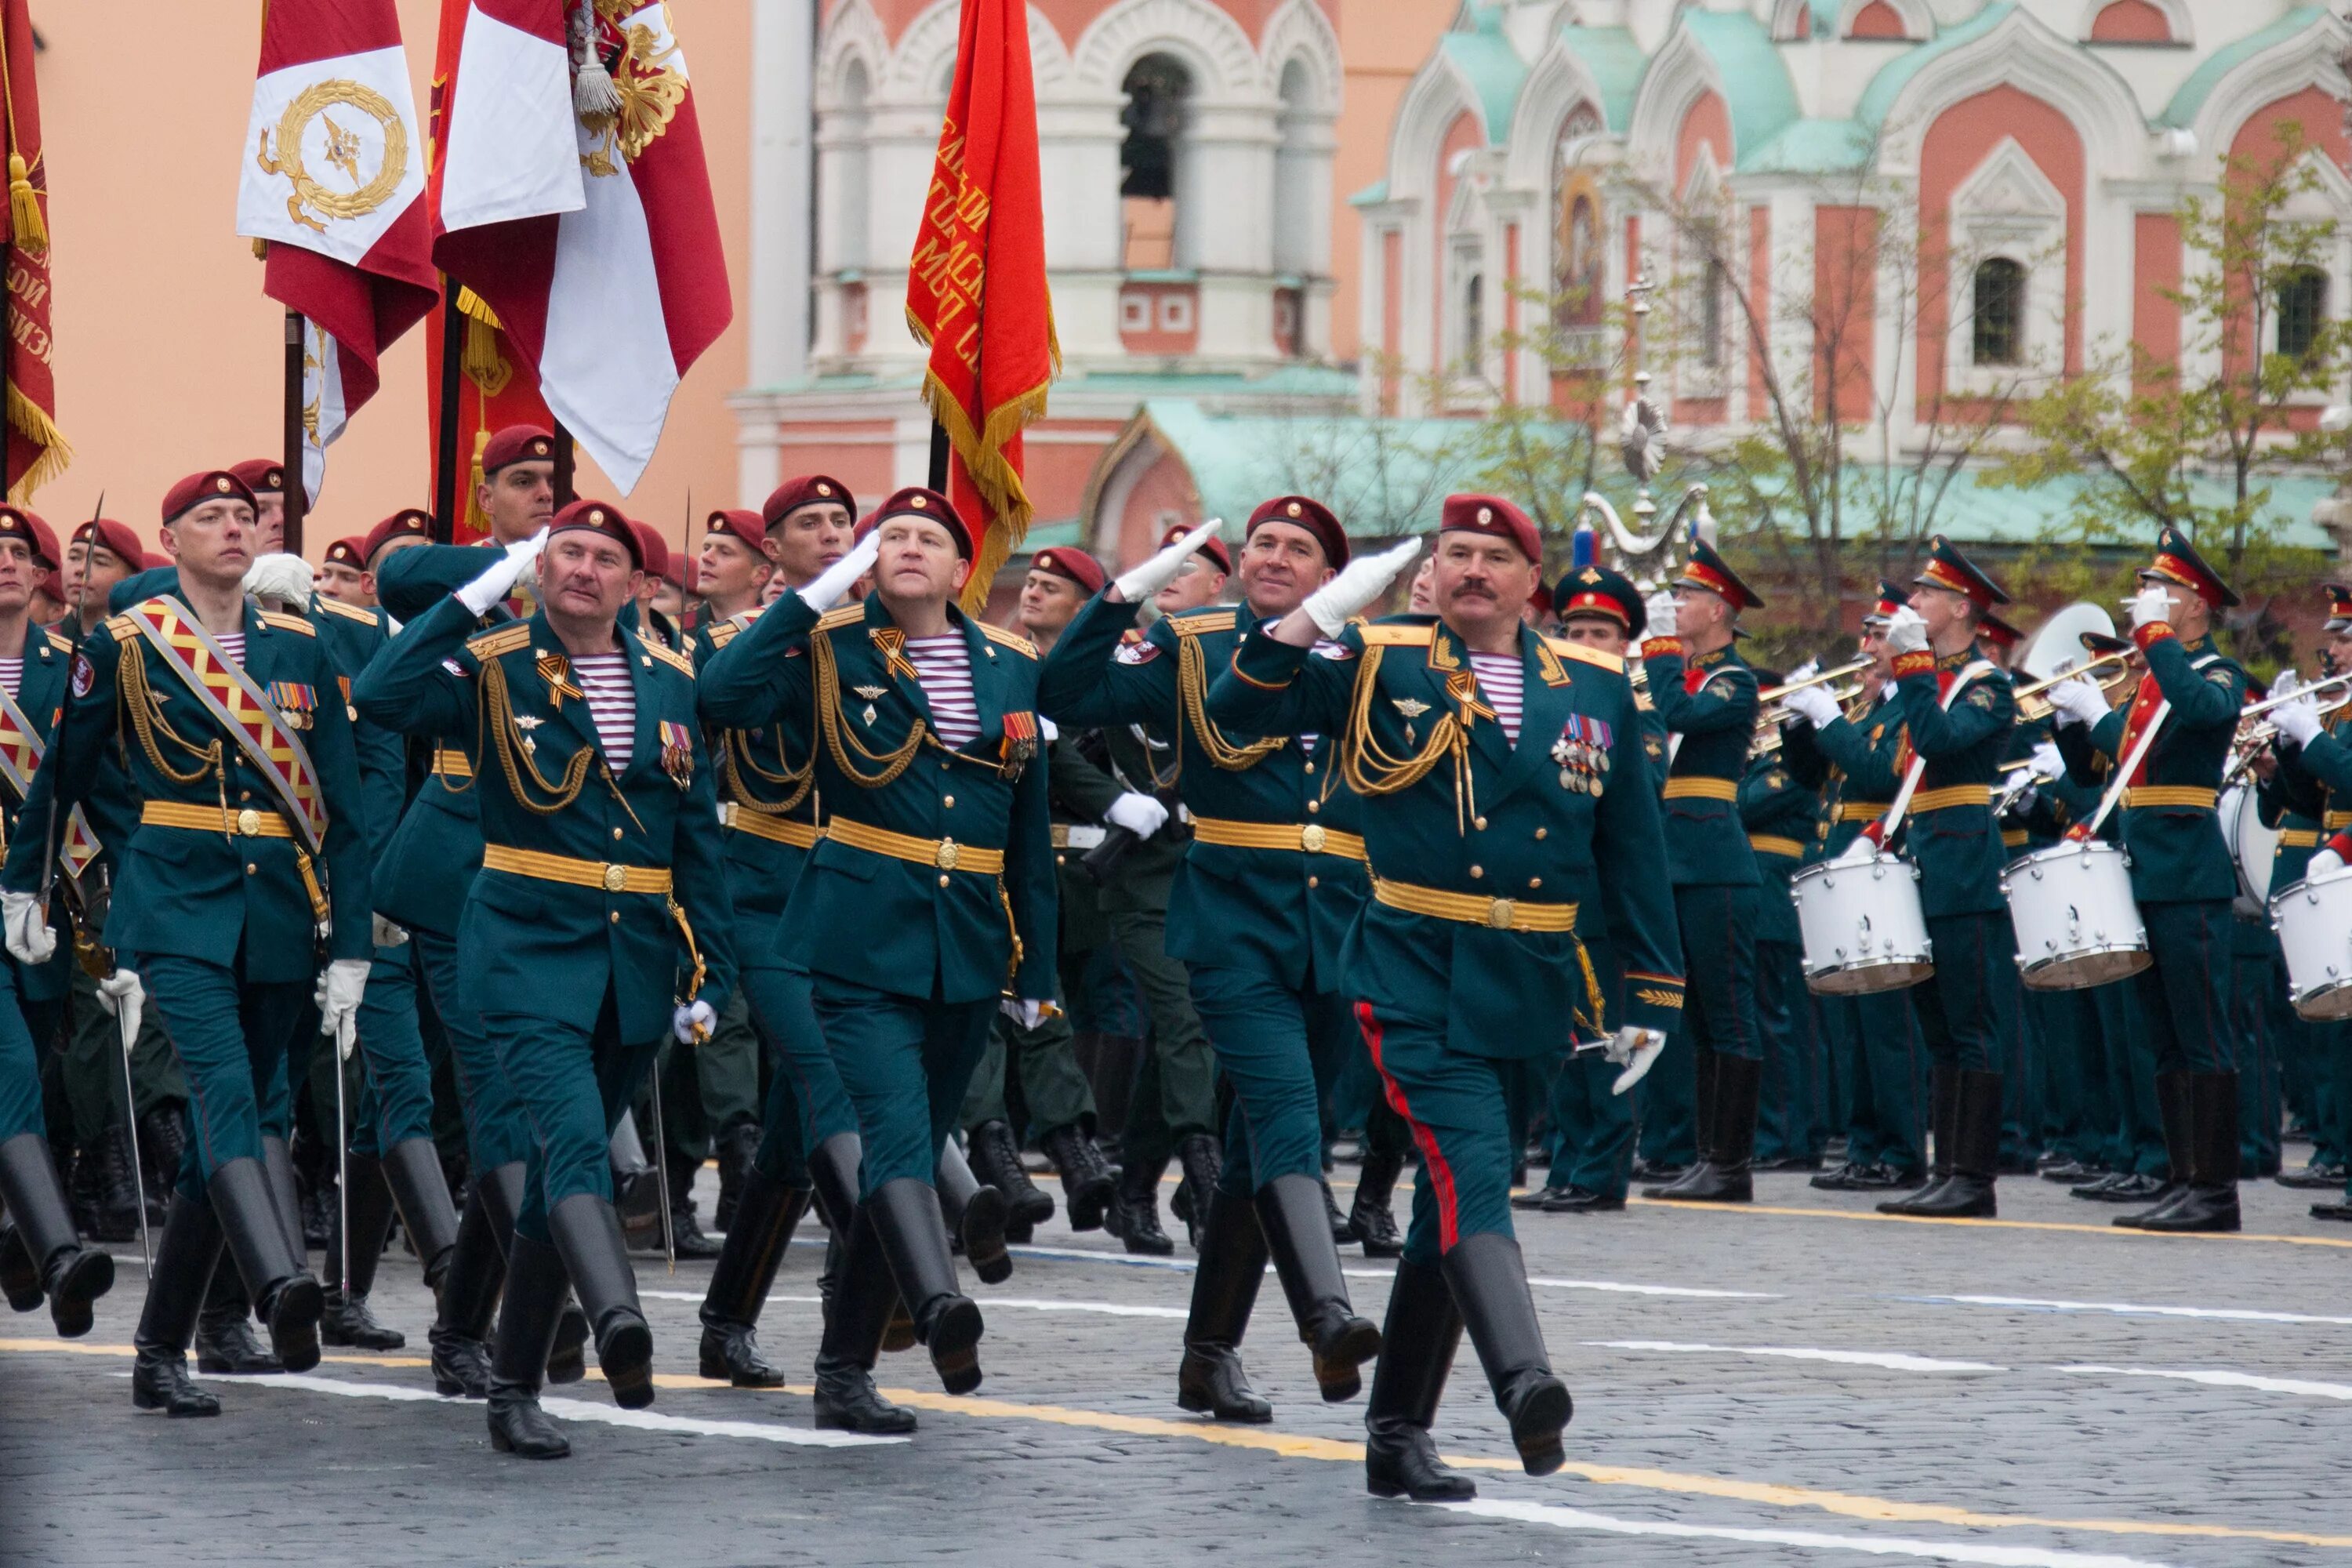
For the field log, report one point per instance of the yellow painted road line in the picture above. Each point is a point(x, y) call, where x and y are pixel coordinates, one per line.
point(2057, 1224)
point(1292, 1446)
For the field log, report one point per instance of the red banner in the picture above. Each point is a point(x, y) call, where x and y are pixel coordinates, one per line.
point(36, 452)
point(976, 288)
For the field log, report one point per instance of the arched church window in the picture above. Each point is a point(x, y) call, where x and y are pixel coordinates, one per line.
point(1151, 162)
point(1473, 319)
point(2301, 310)
point(1997, 332)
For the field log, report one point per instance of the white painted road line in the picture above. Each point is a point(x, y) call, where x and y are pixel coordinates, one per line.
point(2133, 1309)
point(1619, 1288)
point(1891, 1360)
point(987, 1303)
point(2224, 1379)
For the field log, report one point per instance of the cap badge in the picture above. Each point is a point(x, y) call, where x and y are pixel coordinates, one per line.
point(221, 482)
point(1486, 514)
point(918, 503)
point(823, 489)
point(596, 516)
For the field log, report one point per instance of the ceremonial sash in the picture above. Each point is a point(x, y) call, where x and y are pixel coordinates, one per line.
point(240, 706)
point(2146, 699)
point(20, 759)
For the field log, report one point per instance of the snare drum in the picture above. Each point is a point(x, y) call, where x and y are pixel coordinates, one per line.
point(2252, 848)
point(2077, 922)
point(1862, 928)
point(2313, 921)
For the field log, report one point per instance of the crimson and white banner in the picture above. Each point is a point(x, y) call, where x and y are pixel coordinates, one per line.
point(583, 219)
point(332, 176)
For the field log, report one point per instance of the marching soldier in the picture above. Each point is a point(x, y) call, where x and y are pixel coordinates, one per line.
point(251, 821)
point(2173, 741)
point(1777, 814)
point(266, 478)
point(342, 574)
point(1501, 772)
point(600, 880)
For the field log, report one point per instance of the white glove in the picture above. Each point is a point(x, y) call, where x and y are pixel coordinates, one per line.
point(1048, 729)
point(2077, 701)
point(387, 934)
point(285, 579)
point(1663, 615)
point(1358, 583)
point(1812, 703)
point(1139, 814)
point(2297, 718)
point(1636, 1050)
point(2150, 604)
point(122, 994)
point(832, 585)
point(1805, 671)
point(1906, 630)
point(339, 991)
point(1156, 571)
point(1030, 1014)
point(2287, 684)
point(2324, 862)
point(692, 1022)
point(30, 939)
point(2046, 764)
point(498, 579)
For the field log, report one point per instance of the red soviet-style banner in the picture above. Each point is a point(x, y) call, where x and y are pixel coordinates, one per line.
point(36, 452)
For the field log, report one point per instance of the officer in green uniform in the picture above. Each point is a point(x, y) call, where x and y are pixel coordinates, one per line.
point(1777, 813)
point(2024, 1077)
point(230, 722)
point(1501, 772)
point(1706, 693)
point(936, 848)
point(601, 884)
point(1271, 884)
point(2181, 873)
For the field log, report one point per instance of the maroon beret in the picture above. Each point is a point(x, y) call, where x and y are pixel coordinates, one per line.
point(808, 490)
point(151, 561)
point(113, 537)
point(600, 517)
point(262, 476)
point(1303, 511)
point(1213, 547)
point(17, 524)
point(747, 526)
point(1075, 564)
point(864, 526)
point(197, 488)
point(407, 522)
point(517, 444)
point(349, 551)
point(653, 550)
point(1491, 515)
point(917, 502)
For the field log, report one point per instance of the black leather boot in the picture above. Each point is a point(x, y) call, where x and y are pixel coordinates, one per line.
point(502, 1190)
point(1943, 1132)
point(905, 1213)
point(1703, 1060)
point(1085, 1178)
point(1134, 1215)
point(119, 1199)
point(227, 1345)
point(411, 1169)
point(2173, 1099)
point(1372, 1216)
point(1210, 1381)
point(347, 1320)
point(470, 1296)
point(163, 1144)
point(186, 1253)
point(1489, 1281)
point(285, 1296)
point(1198, 1156)
point(996, 1159)
point(70, 1275)
point(863, 1297)
point(1290, 1211)
point(285, 1195)
point(535, 1284)
point(587, 1231)
point(1342, 1233)
point(735, 1149)
point(976, 1213)
point(686, 1232)
point(766, 1213)
point(1417, 1345)
point(20, 1282)
point(1724, 1174)
point(2209, 1203)
point(1967, 1192)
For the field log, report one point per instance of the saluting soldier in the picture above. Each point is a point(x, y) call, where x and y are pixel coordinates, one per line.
point(2181, 874)
point(1502, 774)
point(601, 882)
point(251, 821)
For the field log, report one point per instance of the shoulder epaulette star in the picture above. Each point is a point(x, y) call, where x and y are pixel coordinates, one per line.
point(1196, 622)
point(1013, 641)
point(847, 615)
point(59, 641)
point(348, 612)
point(288, 623)
point(1404, 634)
point(677, 661)
point(500, 640)
point(722, 633)
point(1600, 657)
point(120, 628)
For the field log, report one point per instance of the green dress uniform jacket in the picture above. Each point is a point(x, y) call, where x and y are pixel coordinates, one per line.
point(1777, 813)
point(2175, 839)
point(113, 815)
point(1144, 760)
point(1486, 824)
point(1851, 762)
point(1078, 794)
point(1711, 703)
point(1949, 827)
point(548, 944)
point(934, 929)
point(767, 803)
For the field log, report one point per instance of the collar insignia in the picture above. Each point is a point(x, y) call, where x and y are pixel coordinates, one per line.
point(869, 692)
point(1411, 707)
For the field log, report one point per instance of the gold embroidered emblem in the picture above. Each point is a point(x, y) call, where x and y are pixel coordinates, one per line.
point(651, 85)
point(1411, 707)
point(341, 148)
point(869, 692)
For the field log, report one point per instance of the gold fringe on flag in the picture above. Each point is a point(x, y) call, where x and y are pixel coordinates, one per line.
point(477, 519)
point(30, 420)
point(32, 235)
point(983, 455)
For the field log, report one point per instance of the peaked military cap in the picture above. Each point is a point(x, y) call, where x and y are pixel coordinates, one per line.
point(1709, 571)
point(2177, 560)
point(1891, 597)
point(1945, 567)
point(1599, 590)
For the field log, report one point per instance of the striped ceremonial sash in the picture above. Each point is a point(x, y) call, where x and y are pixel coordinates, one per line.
point(20, 759)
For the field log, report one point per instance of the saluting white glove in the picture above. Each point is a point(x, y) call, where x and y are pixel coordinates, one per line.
point(498, 580)
point(281, 579)
point(30, 939)
point(692, 1022)
point(1164, 566)
point(1662, 617)
point(1139, 814)
point(1906, 630)
point(1360, 582)
point(2297, 718)
point(2150, 604)
point(122, 994)
point(832, 585)
point(2047, 763)
point(2320, 865)
point(1635, 1049)
point(1027, 1012)
point(339, 991)
point(385, 933)
point(1812, 703)
point(2077, 701)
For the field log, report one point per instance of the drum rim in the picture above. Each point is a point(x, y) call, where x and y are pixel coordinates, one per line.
point(1866, 967)
point(2071, 955)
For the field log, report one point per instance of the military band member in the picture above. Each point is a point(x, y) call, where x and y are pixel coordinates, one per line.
point(1777, 813)
point(2181, 873)
point(601, 883)
point(1501, 773)
point(252, 821)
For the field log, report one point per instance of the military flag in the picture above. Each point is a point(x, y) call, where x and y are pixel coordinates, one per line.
point(36, 452)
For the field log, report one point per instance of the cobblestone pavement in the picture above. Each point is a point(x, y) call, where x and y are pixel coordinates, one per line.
point(1798, 1382)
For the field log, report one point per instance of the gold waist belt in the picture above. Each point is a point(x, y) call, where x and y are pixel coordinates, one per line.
point(247, 823)
point(1863, 810)
point(1311, 837)
point(1696, 788)
point(1951, 795)
point(1772, 844)
point(450, 764)
point(944, 853)
point(1469, 909)
point(775, 829)
point(2171, 795)
point(574, 873)
point(2299, 838)
point(2013, 836)
point(2335, 821)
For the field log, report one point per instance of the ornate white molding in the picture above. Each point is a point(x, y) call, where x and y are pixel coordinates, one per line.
point(1554, 88)
point(853, 33)
point(1432, 101)
point(1681, 72)
point(1301, 32)
point(2177, 18)
point(2307, 59)
point(1918, 23)
point(2023, 52)
point(1225, 65)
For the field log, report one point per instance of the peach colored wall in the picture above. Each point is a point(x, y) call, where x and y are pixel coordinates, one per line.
point(1877, 20)
point(861, 455)
point(1460, 136)
point(167, 355)
point(2156, 275)
point(1166, 486)
point(1760, 306)
point(1382, 43)
point(2258, 144)
point(2131, 22)
point(1846, 306)
point(1705, 124)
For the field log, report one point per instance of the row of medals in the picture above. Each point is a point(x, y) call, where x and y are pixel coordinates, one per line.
point(1581, 765)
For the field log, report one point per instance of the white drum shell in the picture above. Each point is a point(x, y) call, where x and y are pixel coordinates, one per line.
point(2313, 921)
point(2077, 923)
point(2252, 848)
point(1862, 928)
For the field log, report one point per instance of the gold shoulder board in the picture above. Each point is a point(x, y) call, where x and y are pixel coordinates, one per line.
point(1593, 656)
point(677, 661)
point(1199, 621)
point(121, 628)
point(1004, 638)
point(1397, 635)
point(60, 642)
point(500, 640)
point(288, 623)
point(722, 633)
point(349, 612)
point(846, 616)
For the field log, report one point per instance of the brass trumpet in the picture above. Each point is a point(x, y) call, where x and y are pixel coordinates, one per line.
point(2032, 707)
point(1772, 694)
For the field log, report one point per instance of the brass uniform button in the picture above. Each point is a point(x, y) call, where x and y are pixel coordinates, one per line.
point(617, 835)
point(615, 917)
point(943, 881)
point(1479, 823)
point(1476, 872)
point(948, 801)
point(1313, 806)
point(1543, 833)
point(1310, 769)
point(1535, 882)
point(1313, 881)
point(251, 868)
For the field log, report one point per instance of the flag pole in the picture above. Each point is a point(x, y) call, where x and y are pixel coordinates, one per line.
point(938, 456)
point(445, 429)
point(298, 491)
point(566, 491)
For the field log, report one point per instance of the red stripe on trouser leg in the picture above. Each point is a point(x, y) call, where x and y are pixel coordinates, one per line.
point(1433, 1158)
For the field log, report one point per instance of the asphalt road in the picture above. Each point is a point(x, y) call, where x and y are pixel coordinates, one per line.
point(1794, 1382)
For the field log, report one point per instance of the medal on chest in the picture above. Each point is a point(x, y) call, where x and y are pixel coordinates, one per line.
point(1582, 754)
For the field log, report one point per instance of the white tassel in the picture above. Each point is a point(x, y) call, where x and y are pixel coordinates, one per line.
point(593, 92)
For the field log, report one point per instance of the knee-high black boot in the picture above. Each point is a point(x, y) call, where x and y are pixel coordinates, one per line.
point(227, 1345)
point(863, 1298)
point(2208, 1202)
point(1489, 1278)
point(766, 1213)
point(283, 1292)
point(1967, 1192)
point(536, 1286)
point(1372, 1215)
point(1298, 1235)
point(2174, 1103)
point(1210, 1380)
point(587, 1231)
point(835, 1166)
point(906, 1214)
point(1417, 1345)
point(286, 1193)
point(348, 1320)
point(470, 1295)
point(1724, 1174)
point(20, 1282)
point(502, 1190)
point(1943, 1134)
point(413, 1169)
point(185, 1254)
point(71, 1275)
point(976, 1212)
point(1703, 1070)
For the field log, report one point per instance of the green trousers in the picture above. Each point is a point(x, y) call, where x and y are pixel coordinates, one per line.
point(92, 1070)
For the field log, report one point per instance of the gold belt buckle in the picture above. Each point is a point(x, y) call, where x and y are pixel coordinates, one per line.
point(248, 823)
point(616, 878)
point(1500, 913)
point(946, 857)
point(1310, 838)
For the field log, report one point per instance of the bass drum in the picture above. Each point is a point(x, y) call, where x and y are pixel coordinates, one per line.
point(2313, 921)
point(2077, 923)
point(2252, 848)
point(1862, 928)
